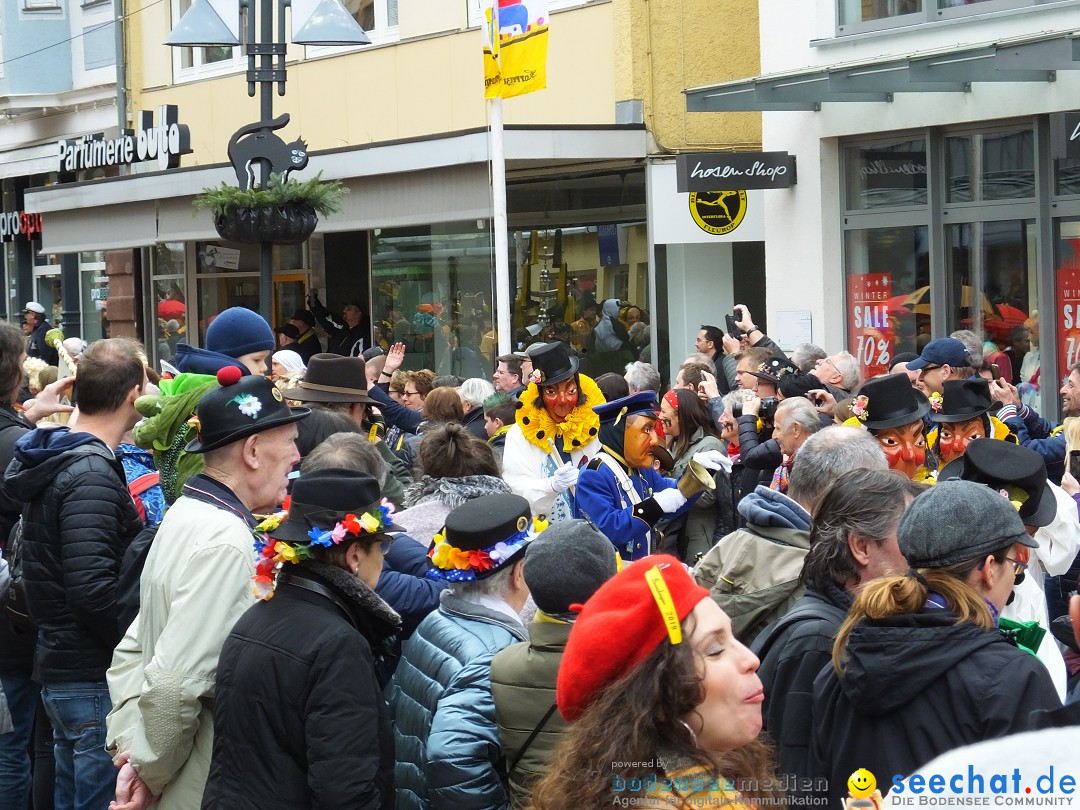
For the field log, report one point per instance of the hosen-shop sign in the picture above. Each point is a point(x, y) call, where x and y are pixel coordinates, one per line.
point(735, 171)
point(18, 223)
point(165, 142)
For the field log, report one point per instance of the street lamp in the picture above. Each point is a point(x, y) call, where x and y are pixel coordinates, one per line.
point(202, 26)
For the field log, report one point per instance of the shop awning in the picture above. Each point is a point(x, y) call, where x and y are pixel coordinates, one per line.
point(126, 226)
point(1031, 59)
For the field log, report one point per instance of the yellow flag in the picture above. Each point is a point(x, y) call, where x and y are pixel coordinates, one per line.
point(515, 47)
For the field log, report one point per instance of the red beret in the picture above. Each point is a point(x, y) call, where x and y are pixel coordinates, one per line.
point(620, 626)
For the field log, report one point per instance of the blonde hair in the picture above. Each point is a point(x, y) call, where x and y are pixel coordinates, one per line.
point(1071, 429)
point(885, 597)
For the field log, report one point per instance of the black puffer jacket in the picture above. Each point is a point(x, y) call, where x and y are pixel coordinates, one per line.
point(78, 521)
point(299, 717)
point(16, 645)
point(915, 687)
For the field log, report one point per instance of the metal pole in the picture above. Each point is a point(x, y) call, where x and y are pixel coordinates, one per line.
point(266, 112)
point(504, 299)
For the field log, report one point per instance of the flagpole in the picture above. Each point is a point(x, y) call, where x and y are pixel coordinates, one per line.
point(503, 295)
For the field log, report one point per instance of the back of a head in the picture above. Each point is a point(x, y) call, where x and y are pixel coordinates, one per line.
point(612, 386)
point(566, 564)
point(642, 377)
point(828, 454)
point(443, 405)
point(451, 451)
point(754, 356)
point(447, 381)
point(345, 451)
point(973, 344)
point(475, 391)
point(806, 355)
point(500, 406)
point(11, 372)
point(697, 357)
point(694, 374)
point(238, 331)
point(320, 424)
point(108, 370)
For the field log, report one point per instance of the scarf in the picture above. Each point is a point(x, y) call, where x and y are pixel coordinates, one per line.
point(453, 492)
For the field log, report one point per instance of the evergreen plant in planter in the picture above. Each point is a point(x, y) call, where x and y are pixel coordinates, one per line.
point(284, 213)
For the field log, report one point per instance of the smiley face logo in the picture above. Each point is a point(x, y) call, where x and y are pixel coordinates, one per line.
point(862, 784)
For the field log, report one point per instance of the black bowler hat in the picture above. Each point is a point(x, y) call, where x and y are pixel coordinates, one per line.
point(289, 331)
point(240, 407)
point(332, 378)
point(552, 363)
point(1000, 464)
point(891, 402)
point(323, 498)
point(481, 537)
point(963, 400)
point(304, 316)
point(773, 369)
point(642, 402)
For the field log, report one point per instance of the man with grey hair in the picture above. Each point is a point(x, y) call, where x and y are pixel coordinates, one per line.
point(447, 743)
point(806, 356)
point(838, 371)
point(796, 420)
point(642, 377)
point(753, 573)
point(473, 392)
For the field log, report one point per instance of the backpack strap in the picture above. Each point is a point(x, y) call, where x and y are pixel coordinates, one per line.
point(139, 486)
point(817, 611)
point(530, 738)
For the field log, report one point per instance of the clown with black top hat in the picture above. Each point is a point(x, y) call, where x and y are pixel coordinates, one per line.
point(962, 415)
point(893, 412)
point(555, 433)
point(619, 490)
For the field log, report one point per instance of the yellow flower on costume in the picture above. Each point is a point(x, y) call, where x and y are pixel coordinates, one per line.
point(441, 556)
point(582, 425)
point(370, 523)
point(285, 552)
point(539, 524)
point(459, 558)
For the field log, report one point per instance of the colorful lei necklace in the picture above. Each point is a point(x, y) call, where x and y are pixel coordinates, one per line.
point(457, 565)
point(581, 425)
point(269, 552)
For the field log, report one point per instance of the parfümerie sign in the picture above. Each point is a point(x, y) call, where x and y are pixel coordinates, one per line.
point(164, 142)
point(734, 171)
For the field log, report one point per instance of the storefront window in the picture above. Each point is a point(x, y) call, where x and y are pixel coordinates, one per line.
point(1067, 176)
point(170, 313)
point(93, 296)
point(888, 295)
point(990, 166)
point(431, 289)
point(854, 11)
point(991, 269)
point(890, 175)
point(1067, 315)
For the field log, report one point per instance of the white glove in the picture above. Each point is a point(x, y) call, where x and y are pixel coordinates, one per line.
point(713, 460)
point(670, 500)
point(564, 478)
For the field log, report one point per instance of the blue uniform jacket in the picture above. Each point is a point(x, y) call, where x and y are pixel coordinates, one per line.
point(600, 497)
point(445, 737)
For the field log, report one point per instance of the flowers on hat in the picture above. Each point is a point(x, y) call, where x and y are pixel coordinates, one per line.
point(457, 565)
point(860, 407)
point(936, 401)
point(248, 404)
point(269, 551)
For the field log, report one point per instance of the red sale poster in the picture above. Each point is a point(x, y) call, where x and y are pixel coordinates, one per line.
point(869, 328)
point(1068, 313)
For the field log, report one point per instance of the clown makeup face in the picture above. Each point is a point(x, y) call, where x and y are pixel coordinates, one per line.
point(560, 398)
point(904, 446)
point(639, 439)
point(954, 437)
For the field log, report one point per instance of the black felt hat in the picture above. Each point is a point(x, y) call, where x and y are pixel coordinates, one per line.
point(773, 369)
point(493, 531)
point(1000, 464)
point(552, 363)
point(323, 498)
point(240, 407)
point(332, 378)
point(892, 402)
point(963, 400)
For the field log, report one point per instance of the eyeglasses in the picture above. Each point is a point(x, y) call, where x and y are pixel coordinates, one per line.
point(925, 369)
point(385, 543)
point(410, 393)
point(1018, 567)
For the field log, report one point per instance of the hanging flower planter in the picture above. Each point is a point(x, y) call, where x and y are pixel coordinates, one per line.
point(283, 213)
point(277, 224)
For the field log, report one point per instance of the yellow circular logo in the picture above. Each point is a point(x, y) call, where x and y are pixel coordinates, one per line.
point(276, 393)
point(862, 784)
point(522, 523)
point(718, 212)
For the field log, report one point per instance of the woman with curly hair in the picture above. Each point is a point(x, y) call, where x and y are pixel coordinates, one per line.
point(664, 702)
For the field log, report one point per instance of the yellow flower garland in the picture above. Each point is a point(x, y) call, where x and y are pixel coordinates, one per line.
point(581, 426)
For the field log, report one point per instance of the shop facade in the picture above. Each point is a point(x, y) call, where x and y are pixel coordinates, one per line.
point(935, 190)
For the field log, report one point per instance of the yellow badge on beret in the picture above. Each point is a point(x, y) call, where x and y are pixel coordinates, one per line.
point(522, 523)
point(277, 394)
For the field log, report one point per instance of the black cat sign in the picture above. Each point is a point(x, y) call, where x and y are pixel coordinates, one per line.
point(164, 142)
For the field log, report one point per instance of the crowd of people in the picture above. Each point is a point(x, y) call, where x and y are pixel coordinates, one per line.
point(282, 577)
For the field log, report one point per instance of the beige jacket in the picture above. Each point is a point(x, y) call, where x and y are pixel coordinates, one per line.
point(196, 584)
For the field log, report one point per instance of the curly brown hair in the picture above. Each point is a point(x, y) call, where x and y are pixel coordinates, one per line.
point(629, 723)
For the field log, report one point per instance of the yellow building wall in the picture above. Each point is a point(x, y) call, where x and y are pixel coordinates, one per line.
point(676, 44)
point(430, 82)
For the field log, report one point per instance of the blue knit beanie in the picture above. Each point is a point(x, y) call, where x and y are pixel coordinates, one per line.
point(238, 331)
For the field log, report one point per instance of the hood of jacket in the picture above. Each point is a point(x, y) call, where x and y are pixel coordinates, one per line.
point(767, 507)
point(40, 454)
point(202, 361)
point(453, 491)
point(890, 661)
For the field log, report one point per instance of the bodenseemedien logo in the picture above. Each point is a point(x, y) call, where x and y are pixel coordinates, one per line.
point(718, 212)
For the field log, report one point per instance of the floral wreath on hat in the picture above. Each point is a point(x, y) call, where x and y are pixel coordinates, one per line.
point(936, 401)
point(582, 424)
point(457, 565)
point(269, 551)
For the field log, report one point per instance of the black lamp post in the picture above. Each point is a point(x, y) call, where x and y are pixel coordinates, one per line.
point(202, 26)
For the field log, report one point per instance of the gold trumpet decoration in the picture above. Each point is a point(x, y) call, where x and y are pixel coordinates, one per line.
point(54, 338)
point(695, 478)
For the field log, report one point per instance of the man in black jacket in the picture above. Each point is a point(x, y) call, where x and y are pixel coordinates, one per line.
point(852, 540)
point(78, 519)
point(34, 327)
point(347, 338)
